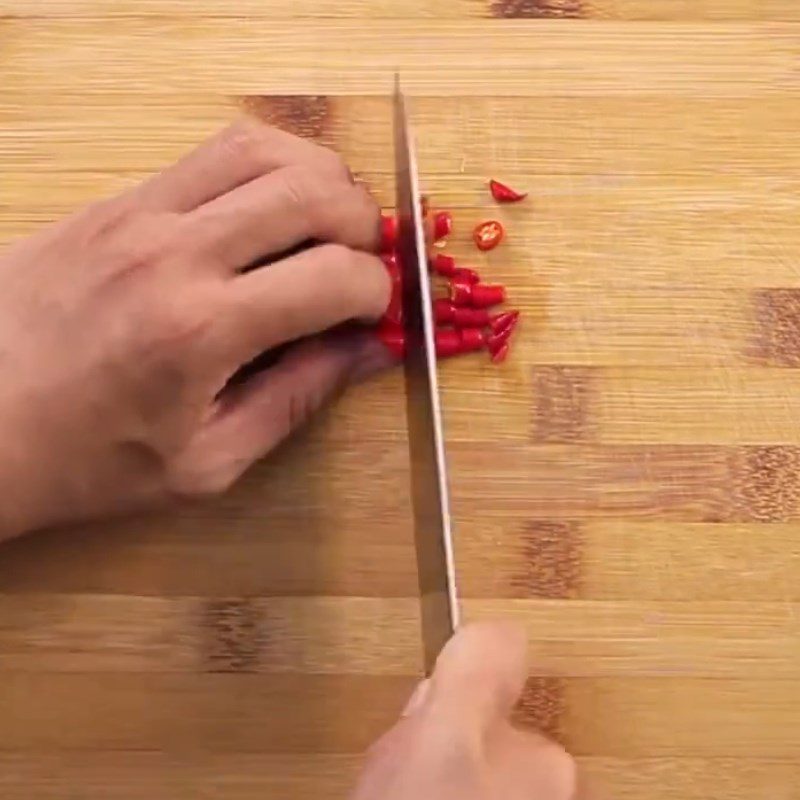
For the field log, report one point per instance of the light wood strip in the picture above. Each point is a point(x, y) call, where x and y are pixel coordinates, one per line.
point(680, 718)
point(661, 10)
point(620, 717)
point(690, 778)
point(721, 406)
point(618, 559)
point(226, 713)
point(265, 56)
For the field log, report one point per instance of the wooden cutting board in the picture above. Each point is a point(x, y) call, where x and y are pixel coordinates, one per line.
point(627, 485)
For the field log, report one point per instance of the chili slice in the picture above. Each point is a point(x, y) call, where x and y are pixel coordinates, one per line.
point(505, 194)
point(488, 235)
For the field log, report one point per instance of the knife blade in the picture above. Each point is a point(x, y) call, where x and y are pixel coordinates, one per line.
point(429, 479)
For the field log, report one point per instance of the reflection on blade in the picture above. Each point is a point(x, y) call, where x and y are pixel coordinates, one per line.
point(430, 497)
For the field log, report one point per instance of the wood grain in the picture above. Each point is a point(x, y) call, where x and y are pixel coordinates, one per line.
point(625, 486)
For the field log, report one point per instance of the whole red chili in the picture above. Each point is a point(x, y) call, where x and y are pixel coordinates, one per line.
point(488, 234)
point(442, 225)
point(505, 194)
point(467, 274)
point(503, 320)
point(461, 292)
point(389, 233)
point(483, 295)
point(444, 265)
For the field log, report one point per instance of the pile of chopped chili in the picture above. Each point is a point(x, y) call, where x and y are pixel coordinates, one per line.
point(463, 320)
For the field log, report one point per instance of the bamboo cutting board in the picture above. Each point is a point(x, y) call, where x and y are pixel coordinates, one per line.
point(627, 485)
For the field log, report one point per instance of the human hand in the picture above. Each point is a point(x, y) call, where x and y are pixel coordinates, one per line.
point(455, 739)
point(120, 326)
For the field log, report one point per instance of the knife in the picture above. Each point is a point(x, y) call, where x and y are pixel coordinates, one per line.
point(429, 484)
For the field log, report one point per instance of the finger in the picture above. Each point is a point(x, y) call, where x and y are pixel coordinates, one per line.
point(255, 417)
point(479, 676)
point(231, 158)
point(526, 765)
point(299, 296)
point(278, 211)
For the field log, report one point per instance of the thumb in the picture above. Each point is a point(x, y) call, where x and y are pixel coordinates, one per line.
point(479, 676)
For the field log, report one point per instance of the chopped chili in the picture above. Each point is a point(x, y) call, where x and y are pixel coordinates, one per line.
point(389, 233)
point(442, 225)
point(484, 295)
point(393, 337)
point(488, 234)
point(448, 342)
point(466, 274)
point(394, 311)
point(503, 320)
point(470, 317)
point(505, 194)
point(471, 339)
point(500, 355)
point(461, 292)
point(444, 265)
point(443, 311)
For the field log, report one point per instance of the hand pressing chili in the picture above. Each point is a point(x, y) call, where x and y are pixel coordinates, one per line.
point(505, 194)
point(487, 235)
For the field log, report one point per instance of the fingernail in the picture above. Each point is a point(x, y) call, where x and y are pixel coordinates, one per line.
point(417, 700)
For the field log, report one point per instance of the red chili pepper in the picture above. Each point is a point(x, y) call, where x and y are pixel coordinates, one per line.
point(389, 233)
point(496, 340)
point(505, 194)
point(394, 311)
point(467, 274)
point(484, 295)
point(443, 311)
point(500, 321)
point(444, 265)
point(469, 317)
point(442, 225)
point(472, 339)
point(500, 355)
point(448, 342)
point(488, 235)
point(393, 337)
point(461, 292)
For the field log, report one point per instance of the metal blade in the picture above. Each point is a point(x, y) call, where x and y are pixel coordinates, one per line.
point(430, 493)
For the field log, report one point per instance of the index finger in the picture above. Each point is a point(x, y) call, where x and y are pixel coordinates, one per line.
point(235, 156)
point(307, 293)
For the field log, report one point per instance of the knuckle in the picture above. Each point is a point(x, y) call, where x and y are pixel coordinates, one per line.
point(335, 165)
point(305, 190)
point(200, 482)
point(245, 141)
